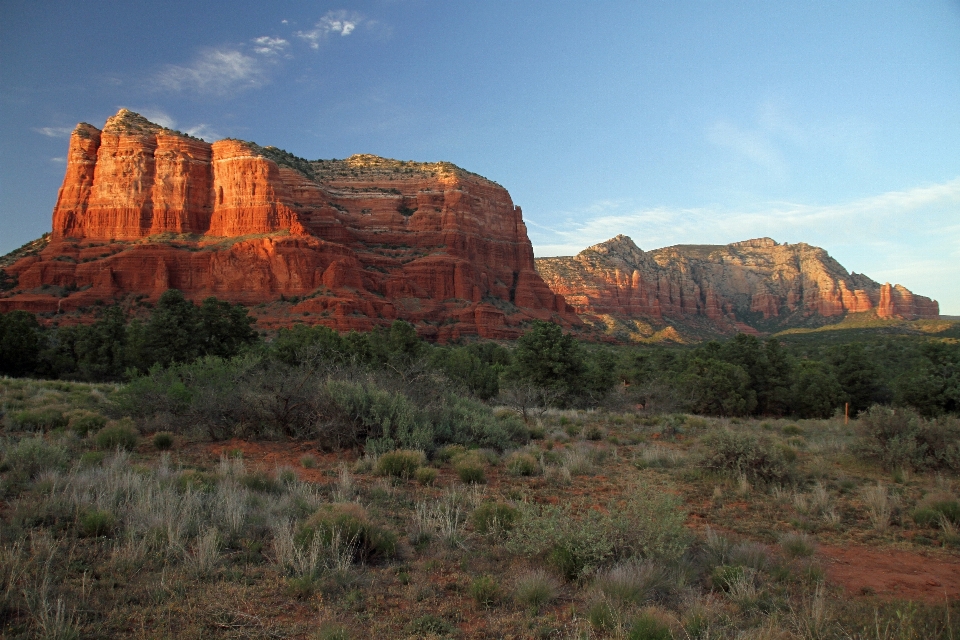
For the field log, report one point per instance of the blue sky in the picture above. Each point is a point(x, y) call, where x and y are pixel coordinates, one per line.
point(836, 124)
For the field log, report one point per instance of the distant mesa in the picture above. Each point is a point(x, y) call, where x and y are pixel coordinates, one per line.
point(756, 285)
point(355, 243)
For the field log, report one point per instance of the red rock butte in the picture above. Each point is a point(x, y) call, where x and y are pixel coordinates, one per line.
point(745, 286)
point(356, 243)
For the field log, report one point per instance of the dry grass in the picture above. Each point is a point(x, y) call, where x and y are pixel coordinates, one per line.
point(202, 542)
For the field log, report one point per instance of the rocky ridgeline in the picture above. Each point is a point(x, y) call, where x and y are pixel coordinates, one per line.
point(745, 286)
point(358, 242)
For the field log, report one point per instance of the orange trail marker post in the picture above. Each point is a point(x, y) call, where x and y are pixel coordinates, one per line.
point(846, 413)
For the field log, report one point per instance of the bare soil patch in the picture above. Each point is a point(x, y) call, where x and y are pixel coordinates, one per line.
point(893, 574)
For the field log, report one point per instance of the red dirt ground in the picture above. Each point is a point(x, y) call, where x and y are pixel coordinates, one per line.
point(889, 573)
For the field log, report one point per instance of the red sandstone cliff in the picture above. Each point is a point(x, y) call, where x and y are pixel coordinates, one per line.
point(745, 286)
point(358, 242)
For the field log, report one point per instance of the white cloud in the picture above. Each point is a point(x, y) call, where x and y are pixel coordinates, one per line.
point(59, 160)
point(204, 132)
point(340, 22)
point(267, 46)
point(54, 132)
point(216, 71)
point(908, 236)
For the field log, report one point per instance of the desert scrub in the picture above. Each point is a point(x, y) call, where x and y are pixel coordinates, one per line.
point(798, 545)
point(84, 422)
point(39, 419)
point(118, 434)
point(30, 457)
point(485, 590)
point(401, 463)
point(901, 438)
point(163, 440)
point(520, 463)
point(469, 467)
point(353, 522)
point(634, 583)
point(743, 454)
point(494, 517)
point(648, 523)
point(426, 476)
point(535, 589)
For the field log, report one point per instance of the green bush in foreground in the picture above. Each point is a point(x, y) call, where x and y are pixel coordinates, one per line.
point(39, 419)
point(485, 590)
point(163, 440)
point(353, 523)
point(734, 453)
point(32, 456)
point(118, 434)
point(402, 463)
point(84, 422)
point(492, 517)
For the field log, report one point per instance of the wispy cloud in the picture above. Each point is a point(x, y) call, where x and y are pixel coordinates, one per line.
point(54, 132)
point(910, 236)
point(267, 46)
point(59, 160)
point(341, 23)
point(215, 71)
point(205, 132)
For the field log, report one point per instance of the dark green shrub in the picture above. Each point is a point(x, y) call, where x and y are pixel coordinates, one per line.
point(39, 419)
point(308, 462)
point(402, 463)
point(926, 517)
point(730, 452)
point(193, 480)
point(425, 475)
point(470, 468)
point(601, 615)
point(352, 522)
point(163, 440)
point(535, 589)
point(118, 434)
point(798, 545)
point(725, 575)
point(430, 624)
point(901, 438)
point(330, 631)
point(84, 422)
point(492, 517)
point(950, 510)
point(646, 627)
point(594, 433)
point(260, 482)
point(91, 458)
point(485, 590)
point(32, 456)
point(522, 464)
point(96, 522)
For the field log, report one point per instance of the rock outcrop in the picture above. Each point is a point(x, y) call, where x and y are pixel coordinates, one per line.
point(355, 243)
point(745, 286)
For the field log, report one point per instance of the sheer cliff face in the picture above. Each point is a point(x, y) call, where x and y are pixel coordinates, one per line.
point(364, 240)
point(737, 286)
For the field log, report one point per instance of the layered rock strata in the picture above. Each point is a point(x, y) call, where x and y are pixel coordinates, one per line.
point(744, 286)
point(356, 242)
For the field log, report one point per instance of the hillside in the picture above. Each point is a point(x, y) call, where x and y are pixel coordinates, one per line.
point(756, 286)
point(355, 243)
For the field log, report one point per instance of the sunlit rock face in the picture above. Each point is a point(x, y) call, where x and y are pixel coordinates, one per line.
point(357, 242)
point(755, 284)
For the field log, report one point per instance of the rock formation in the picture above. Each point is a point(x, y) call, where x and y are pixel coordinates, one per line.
point(744, 286)
point(356, 242)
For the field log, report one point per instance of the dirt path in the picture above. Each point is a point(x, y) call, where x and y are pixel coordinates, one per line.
point(889, 573)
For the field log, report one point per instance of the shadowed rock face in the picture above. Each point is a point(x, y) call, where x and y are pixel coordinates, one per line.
point(362, 241)
point(741, 286)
